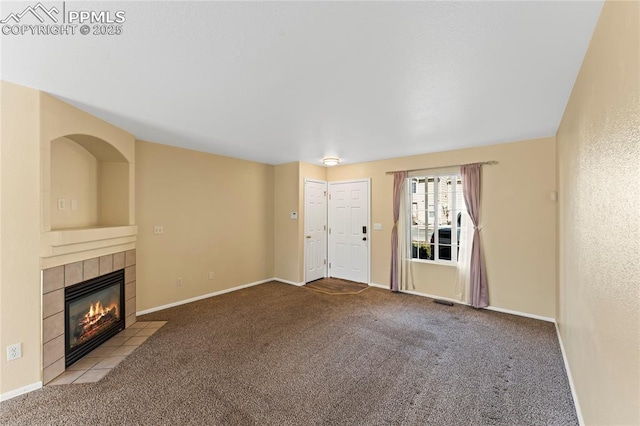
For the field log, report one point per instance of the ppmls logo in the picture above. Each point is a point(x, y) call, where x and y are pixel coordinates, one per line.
point(40, 20)
point(33, 10)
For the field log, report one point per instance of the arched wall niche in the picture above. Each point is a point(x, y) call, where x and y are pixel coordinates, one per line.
point(70, 141)
point(89, 183)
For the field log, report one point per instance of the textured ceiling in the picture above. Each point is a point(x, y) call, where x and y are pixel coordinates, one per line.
point(284, 81)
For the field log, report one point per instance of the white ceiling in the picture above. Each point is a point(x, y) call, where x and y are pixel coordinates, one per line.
point(294, 81)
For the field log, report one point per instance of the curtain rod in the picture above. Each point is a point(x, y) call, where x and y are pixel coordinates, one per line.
point(483, 163)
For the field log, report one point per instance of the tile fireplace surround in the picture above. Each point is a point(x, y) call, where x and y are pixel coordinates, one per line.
point(54, 281)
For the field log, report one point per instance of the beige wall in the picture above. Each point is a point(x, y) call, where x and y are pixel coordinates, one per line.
point(217, 214)
point(20, 315)
point(74, 175)
point(517, 215)
point(113, 198)
point(286, 200)
point(599, 225)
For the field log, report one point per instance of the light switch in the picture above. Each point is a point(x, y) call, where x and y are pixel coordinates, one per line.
point(74, 204)
point(377, 226)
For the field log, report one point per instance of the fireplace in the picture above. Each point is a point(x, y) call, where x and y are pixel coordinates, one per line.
point(94, 312)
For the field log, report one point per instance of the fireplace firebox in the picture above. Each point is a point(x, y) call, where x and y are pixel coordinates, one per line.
point(94, 312)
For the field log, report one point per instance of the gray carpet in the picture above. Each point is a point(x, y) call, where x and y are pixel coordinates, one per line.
point(276, 354)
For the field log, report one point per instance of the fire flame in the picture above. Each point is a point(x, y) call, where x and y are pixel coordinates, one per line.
point(96, 312)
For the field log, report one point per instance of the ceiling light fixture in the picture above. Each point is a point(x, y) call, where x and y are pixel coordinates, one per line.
point(330, 161)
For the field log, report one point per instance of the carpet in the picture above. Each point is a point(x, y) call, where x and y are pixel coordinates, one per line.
point(336, 286)
point(276, 354)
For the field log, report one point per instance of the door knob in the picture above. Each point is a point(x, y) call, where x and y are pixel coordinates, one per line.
point(308, 236)
point(364, 238)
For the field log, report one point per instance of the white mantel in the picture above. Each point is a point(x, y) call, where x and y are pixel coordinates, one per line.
point(66, 246)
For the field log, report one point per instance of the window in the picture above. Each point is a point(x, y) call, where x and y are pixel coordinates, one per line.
point(437, 206)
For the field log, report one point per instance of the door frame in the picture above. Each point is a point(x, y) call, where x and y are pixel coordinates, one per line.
point(369, 230)
point(304, 227)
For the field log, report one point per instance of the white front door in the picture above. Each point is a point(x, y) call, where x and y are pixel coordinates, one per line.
point(349, 230)
point(315, 230)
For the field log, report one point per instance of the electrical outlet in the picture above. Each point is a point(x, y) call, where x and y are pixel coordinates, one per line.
point(210, 275)
point(158, 229)
point(62, 204)
point(14, 351)
point(179, 282)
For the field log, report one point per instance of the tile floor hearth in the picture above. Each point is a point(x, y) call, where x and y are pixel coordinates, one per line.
point(97, 364)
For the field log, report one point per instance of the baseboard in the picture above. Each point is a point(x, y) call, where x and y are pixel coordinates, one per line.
point(417, 293)
point(204, 296)
point(20, 391)
point(458, 302)
point(289, 282)
point(432, 296)
point(386, 287)
point(570, 377)
point(520, 314)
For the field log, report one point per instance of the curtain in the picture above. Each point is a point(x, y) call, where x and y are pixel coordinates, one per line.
point(464, 258)
point(478, 292)
point(404, 239)
point(399, 179)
